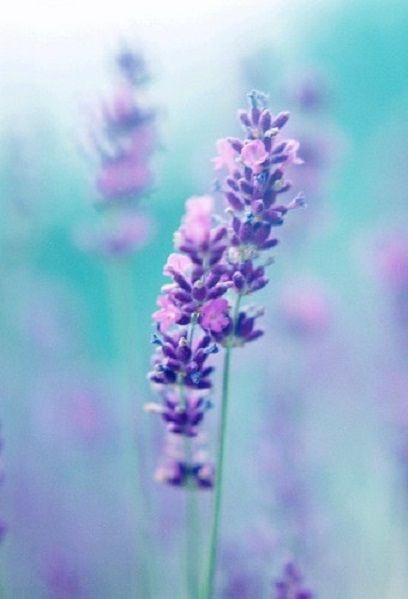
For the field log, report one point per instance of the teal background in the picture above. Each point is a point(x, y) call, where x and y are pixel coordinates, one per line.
point(69, 497)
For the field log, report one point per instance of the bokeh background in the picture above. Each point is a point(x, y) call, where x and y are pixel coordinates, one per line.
point(317, 446)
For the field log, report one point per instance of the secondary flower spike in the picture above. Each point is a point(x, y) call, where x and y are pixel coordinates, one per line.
point(120, 141)
point(220, 258)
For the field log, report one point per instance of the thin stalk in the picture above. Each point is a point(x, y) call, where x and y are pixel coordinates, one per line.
point(192, 532)
point(216, 519)
point(192, 515)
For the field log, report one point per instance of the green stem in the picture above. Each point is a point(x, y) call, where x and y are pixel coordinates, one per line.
point(192, 532)
point(192, 541)
point(212, 560)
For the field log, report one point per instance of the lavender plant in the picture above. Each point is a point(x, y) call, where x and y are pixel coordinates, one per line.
point(220, 260)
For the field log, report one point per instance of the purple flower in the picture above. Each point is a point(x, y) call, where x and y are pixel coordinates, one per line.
point(181, 417)
point(177, 263)
point(168, 314)
point(218, 256)
point(227, 156)
point(214, 315)
point(120, 142)
point(178, 470)
point(254, 154)
point(197, 221)
point(290, 584)
point(122, 137)
point(179, 363)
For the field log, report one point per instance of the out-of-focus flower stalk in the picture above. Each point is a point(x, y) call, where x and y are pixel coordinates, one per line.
point(122, 140)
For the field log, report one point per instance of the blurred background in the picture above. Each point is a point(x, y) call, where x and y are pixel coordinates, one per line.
point(317, 452)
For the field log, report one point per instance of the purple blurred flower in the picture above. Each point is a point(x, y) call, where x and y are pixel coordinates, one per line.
point(120, 236)
point(309, 91)
point(304, 308)
point(62, 578)
point(120, 142)
point(290, 584)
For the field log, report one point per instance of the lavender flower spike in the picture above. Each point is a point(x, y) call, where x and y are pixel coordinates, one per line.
point(220, 259)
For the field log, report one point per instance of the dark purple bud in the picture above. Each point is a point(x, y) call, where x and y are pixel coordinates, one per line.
point(280, 120)
point(248, 173)
point(258, 206)
point(204, 342)
point(216, 256)
point(199, 291)
point(279, 148)
point(186, 248)
point(276, 175)
point(259, 284)
point(274, 217)
point(238, 280)
point(261, 234)
point(232, 183)
point(182, 296)
point(169, 376)
point(196, 259)
point(197, 273)
point(219, 234)
point(217, 291)
point(266, 120)
point(255, 114)
point(203, 384)
point(271, 243)
point(212, 279)
point(244, 118)
point(180, 280)
point(246, 187)
point(172, 364)
point(184, 352)
point(168, 351)
point(254, 335)
point(236, 144)
point(205, 373)
point(244, 325)
point(157, 378)
point(245, 233)
point(279, 159)
point(234, 201)
point(267, 141)
point(236, 225)
point(184, 319)
point(246, 268)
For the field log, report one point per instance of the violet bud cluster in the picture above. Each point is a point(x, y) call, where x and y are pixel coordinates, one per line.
point(220, 259)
